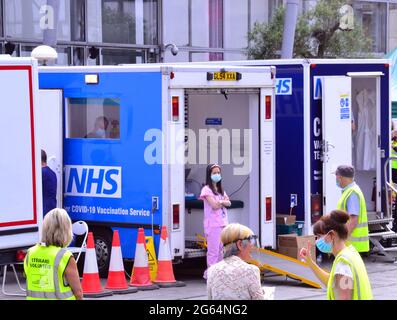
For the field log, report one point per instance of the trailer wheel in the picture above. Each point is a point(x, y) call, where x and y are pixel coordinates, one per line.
point(103, 247)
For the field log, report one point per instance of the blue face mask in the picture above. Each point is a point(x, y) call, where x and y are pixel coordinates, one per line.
point(338, 184)
point(324, 246)
point(216, 177)
point(101, 133)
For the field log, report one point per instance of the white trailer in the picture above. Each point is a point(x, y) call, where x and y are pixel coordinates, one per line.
point(20, 163)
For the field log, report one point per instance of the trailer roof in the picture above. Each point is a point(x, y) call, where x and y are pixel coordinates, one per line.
point(153, 68)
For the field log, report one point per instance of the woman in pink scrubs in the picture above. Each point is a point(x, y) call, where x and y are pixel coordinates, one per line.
point(215, 214)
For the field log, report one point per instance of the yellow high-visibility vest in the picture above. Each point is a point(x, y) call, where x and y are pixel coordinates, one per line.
point(361, 285)
point(44, 267)
point(359, 237)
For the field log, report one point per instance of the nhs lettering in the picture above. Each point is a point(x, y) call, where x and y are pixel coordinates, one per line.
point(93, 181)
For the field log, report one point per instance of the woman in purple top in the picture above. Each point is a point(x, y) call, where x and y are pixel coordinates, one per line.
point(215, 214)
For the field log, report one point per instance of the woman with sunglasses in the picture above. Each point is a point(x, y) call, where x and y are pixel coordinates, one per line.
point(215, 213)
point(234, 278)
point(348, 279)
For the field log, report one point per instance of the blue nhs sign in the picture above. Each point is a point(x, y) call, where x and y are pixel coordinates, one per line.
point(284, 86)
point(93, 181)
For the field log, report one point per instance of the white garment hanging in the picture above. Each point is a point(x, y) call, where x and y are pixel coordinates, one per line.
point(366, 131)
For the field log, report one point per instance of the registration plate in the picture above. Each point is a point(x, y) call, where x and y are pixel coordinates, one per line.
point(224, 76)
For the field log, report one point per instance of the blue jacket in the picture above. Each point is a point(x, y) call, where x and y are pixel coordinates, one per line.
point(49, 179)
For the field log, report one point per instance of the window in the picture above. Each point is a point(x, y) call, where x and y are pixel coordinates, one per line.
point(393, 26)
point(235, 24)
point(28, 19)
point(200, 23)
point(258, 12)
point(176, 22)
point(216, 23)
point(77, 14)
point(129, 21)
point(121, 56)
point(93, 118)
point(372, 17)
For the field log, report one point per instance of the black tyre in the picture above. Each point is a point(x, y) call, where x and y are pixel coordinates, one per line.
point(103, 247)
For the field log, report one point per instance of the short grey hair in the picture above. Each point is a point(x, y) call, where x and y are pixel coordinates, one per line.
point(232, 250)
point(57, 229)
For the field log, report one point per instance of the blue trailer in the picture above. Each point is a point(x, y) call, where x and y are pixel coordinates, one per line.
point(329, 112)
point(117, 138)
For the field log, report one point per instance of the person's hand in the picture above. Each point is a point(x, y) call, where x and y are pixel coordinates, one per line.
point(305, 253)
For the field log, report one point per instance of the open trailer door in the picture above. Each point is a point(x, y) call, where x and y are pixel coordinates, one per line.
point(176, 81)
point(20, 170)
point(337, 134)
point(50, 133)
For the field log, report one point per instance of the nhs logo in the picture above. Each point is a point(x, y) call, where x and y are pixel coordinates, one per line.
point(284, 86)
point(93, 181)
point(318, 88)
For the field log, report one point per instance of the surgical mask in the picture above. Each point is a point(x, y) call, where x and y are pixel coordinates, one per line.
point(216, 177)
point(324, 246)
point(338, 184)
point(101, 133)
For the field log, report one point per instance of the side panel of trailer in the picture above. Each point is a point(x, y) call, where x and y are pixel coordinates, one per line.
point(107, 180)
point(376, 77)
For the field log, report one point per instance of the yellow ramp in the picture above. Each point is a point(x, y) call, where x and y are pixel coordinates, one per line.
point(284, 265)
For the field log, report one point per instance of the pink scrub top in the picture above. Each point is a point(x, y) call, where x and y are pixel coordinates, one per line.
point(213, 218)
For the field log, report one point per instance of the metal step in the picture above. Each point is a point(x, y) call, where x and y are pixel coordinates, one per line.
point(195, 253)
point(388, 249)
point(382, 234)
point(390, 236)
point(380, 221)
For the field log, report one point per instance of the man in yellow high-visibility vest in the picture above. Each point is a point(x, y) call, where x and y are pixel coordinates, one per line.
point(353, 202)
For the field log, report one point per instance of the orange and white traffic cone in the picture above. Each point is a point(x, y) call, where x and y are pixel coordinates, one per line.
point(140, 273)
point(91, 284)
point(116, 278)
point(165, 273)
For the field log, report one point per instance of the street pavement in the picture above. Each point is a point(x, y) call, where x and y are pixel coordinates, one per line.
point(383, 277)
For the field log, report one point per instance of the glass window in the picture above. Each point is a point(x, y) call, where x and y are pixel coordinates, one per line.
point(78, 57)
point(28, 18)
point(180, 57)
point(216, 23)
point(200, 23)
point(273, 5)
point(77, 14)
point(121, 56)
point(234, 56)
point(372, 17)
point(176, 22)
point(128, 21)
point(1, 19)
point(235, 24)
point(393, 26)
point(206, 56)
point(259, 11)
point(93, 118)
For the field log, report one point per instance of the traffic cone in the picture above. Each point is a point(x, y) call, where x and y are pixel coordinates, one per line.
point(116, 278)
point(140, 273)
point(165, 273)
point(91, 284)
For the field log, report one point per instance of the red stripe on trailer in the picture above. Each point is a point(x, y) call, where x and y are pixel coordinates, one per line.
point(34, 221)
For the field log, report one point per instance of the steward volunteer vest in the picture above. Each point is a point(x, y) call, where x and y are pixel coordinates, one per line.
point(44, 267)
point(361, 285)
point(359, 237)
point(393, 154)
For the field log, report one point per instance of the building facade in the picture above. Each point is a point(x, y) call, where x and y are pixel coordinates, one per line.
point(136, 31)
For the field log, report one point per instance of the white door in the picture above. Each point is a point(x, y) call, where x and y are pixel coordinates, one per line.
point(267, 169)
point(337, 135)
point(49, 111)
point(175, 165)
